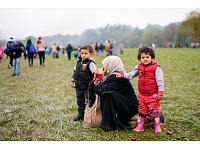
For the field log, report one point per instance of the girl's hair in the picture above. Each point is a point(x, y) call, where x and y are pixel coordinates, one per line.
point(146, 50)
point(87, 47)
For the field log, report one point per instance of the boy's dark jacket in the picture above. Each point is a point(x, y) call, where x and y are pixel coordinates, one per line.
point(83, 75)
point(18, 47)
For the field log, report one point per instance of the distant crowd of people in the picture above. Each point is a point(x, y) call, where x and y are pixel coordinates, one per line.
point(108, 48)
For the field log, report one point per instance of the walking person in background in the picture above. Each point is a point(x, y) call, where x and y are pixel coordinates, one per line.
point(75, 53)
point(54, 50)
point(15, 51)
point(31, 50)
point(9, 44)
point(40, 46)
point(96, 47)
point(150, 87)
point(58, 49)
point(115, 49)
point(1, 53)
point(25, 54)
point(101, 48)
point(79, 51)
point(82, 76)
point(108, 48)
point(69, 50)
point(63, 51)
point(121, 48)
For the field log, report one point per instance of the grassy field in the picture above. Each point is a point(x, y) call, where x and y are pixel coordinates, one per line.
point(40, 105)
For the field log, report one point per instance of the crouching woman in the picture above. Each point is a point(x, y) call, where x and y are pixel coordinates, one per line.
point(117, 97)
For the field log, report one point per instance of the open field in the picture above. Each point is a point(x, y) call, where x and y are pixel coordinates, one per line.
point(40, 105)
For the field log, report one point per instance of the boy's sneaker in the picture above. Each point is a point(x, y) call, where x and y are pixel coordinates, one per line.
point(13, 75)
point(9, 66)
point(19, 75)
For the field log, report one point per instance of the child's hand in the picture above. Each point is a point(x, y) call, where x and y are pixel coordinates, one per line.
point(120, 75)
point(160, 95)
point(72, 84)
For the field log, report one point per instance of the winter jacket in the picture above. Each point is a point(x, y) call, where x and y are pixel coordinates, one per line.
point(40, 46)
point(118, 103)
point(146, 80)
point(16, 51)
point(82, 74)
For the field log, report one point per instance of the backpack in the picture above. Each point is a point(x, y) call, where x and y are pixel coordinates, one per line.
point(9, 45)
point(32, 48)
point(19, 44)
point(7, 51)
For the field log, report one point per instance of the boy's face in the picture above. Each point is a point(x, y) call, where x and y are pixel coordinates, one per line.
point(85, 54)
point(145, 59)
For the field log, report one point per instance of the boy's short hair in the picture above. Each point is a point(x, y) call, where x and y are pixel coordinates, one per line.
point(146, 50)
point(87, 47)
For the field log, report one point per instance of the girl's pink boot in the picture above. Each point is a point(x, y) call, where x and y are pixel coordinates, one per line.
point(140, 125)
point(157, 124)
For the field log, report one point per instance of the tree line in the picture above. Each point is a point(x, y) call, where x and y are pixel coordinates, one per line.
point(182, 33)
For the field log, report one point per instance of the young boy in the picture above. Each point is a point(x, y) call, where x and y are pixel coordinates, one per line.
point(83, 75)
point(150, 86)
point(15, 51)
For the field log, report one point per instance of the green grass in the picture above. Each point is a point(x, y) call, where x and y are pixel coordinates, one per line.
point(40, 105)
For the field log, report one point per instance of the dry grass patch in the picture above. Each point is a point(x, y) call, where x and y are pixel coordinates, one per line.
point(40, 105)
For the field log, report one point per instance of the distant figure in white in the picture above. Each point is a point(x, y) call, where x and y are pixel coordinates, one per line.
point(115, 49)
point(121, 48)
point(153, 45)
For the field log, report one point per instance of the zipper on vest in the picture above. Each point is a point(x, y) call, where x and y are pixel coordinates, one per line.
point(144, 78)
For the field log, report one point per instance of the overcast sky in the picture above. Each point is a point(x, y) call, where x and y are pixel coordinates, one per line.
point(41, 19)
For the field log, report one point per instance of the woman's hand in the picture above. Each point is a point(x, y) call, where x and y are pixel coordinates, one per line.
point(100, 71)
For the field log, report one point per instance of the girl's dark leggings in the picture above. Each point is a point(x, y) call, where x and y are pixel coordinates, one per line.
point(41, 57)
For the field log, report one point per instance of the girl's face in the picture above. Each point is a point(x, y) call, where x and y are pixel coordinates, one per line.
point(145, 59)
point(85, 54)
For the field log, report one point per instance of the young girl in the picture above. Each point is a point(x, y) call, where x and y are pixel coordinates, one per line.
point(150, 86)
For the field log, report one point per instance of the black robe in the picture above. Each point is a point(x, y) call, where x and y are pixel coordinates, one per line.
point(118, 103)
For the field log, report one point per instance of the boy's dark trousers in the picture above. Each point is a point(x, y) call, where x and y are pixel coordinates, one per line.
point(82, 98)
